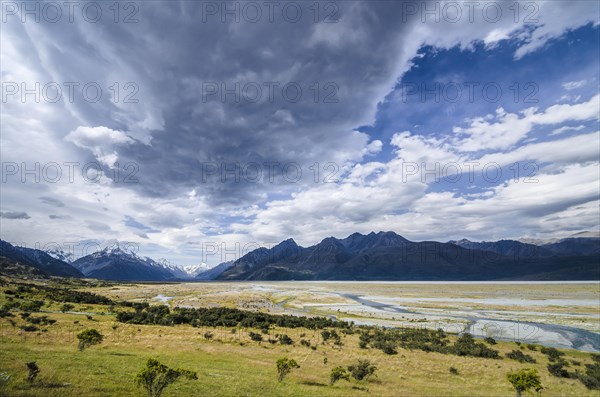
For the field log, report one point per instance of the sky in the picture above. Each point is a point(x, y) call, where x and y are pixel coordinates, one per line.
point(198, 131)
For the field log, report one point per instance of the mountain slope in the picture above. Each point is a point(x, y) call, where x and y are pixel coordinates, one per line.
point(388, 256)
point(214, 273)
point(14, 268)
point(506, 247)
point(575, 246)
point(117, 264)
point(39, 260)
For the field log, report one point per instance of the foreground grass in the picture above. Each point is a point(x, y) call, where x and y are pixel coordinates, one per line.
point(232, 365)
point(235, 367)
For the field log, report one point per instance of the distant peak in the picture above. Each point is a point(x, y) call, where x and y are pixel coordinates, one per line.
point(356, 234)
point(116, 249)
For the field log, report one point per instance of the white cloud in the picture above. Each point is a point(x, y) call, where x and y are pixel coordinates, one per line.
point(556, 18)
point(535, 23)
point(503, 130)
point(566, 129)
point(571, 85)
point(101, 141)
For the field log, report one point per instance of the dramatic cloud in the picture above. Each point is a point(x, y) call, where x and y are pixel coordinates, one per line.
point(241, 131)
point(14, 215)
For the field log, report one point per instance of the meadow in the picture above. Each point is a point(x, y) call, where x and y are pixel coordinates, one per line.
point(230, 363)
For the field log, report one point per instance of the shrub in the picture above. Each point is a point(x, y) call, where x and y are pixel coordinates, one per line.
point(32, 306)
point(338, 373)
point(304, 342)
point(88, 338)
point(155, 377)
point(29, 328)
point(590, 382)
point(363, 369)
point(520, 357)
point(552, 353)
point(285, 340)
point(532, 347)
point(389, 348)
point(465, 345)
point(591, 378)
point(255, 337)
point(284, 367)
point(220, 317)
point(557, 369)
point(524, 380)
point(4, 312)
point(42, 320)
point(67, 307)
point(208, 335)
point(490, 340)
point(453, 371)
point(33, 371)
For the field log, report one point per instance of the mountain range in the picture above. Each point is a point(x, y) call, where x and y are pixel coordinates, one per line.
point(38, 261)
point(388, 256)
point(374, 256)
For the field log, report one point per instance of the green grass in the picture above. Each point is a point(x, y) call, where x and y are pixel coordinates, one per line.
point(232, 365)
point(230, 369)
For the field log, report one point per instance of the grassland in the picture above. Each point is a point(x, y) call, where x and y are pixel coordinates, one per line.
point(231, 364)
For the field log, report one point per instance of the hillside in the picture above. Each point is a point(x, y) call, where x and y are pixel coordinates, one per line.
point(388, 256)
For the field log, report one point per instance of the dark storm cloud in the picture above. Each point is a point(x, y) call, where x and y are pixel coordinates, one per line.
point(14, 215)
point(174, 58)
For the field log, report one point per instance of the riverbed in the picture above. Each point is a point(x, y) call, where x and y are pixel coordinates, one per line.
point(557, 314)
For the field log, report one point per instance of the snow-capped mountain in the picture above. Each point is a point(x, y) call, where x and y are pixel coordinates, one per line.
point(183, 272)
point(116, 263)
point(194, 270)
point(120, 263)
point(61, 255)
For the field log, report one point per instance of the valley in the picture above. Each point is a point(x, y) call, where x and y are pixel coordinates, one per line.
point(557, 314)
point(232, 358)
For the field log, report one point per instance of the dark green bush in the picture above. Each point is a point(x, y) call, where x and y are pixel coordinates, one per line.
point(285, 340)
point(363, 369)
point(520, 357)
point(557, 369)
point(490, 340)
point(88, 338)
point(255, 337)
